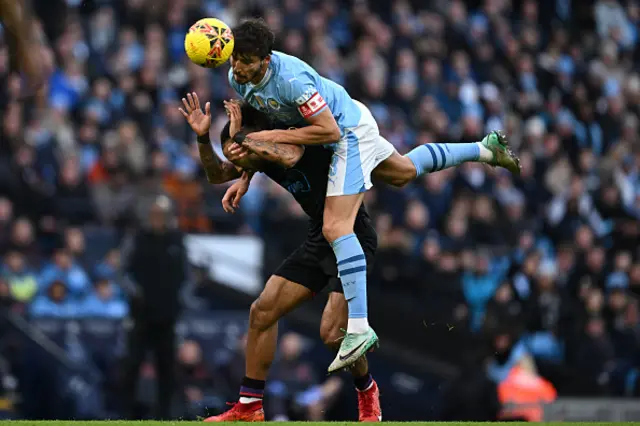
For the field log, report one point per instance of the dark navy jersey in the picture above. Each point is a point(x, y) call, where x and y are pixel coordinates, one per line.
point(307, 182)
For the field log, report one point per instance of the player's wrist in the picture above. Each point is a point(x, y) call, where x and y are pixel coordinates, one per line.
point(203, 139)
point(247, 175)
point(239, 137)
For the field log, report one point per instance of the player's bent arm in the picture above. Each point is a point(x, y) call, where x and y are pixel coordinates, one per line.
point(217, 170)
point(322, 129)
point(284, 154)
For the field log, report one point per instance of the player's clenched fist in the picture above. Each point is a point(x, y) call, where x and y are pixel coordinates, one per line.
point(199, 121)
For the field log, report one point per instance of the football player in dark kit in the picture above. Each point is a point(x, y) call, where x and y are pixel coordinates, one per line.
point(303, 172)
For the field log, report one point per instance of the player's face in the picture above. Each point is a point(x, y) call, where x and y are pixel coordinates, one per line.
point(248, 68)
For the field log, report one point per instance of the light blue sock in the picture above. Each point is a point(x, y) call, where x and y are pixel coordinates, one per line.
point(352, 270)
point(433, 157)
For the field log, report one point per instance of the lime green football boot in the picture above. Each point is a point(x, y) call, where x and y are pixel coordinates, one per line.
point(353, 346)
point(497, 143)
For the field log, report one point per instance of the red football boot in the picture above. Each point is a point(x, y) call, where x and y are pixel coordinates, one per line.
point(369, 404)
point(251, 412)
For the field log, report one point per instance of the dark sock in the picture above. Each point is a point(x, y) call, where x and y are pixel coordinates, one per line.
point(362, 383)
point(252, 388)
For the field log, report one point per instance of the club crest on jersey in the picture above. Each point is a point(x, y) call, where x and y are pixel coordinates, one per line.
point(273, 103)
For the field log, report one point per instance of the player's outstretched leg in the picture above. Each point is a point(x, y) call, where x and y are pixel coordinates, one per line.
point(279, 297)
point(334, 320)
point(493, 150)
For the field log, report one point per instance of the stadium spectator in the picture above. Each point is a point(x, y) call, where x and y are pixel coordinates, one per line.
point(200, 389)
point(65, 268)
point(102, 302)
point(22, 281)
point(54, 302)
point(294, 390)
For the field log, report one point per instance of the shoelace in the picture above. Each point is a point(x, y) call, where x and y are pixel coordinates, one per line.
point(228, 412)
point(341, 337)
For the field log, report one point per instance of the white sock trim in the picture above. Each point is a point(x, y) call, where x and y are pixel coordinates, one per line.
point(486, 155)
point(245, 400)
point(357, 325)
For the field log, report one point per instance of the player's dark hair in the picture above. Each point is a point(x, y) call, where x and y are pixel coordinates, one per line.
point(253, 37)
point(252, 120)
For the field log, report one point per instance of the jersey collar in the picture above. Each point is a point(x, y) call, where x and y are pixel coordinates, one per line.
point(265, 79)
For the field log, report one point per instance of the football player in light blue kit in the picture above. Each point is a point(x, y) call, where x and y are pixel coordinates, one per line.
point(321, 112)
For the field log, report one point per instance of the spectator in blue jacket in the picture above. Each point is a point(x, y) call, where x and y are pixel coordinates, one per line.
point(54, 302)
point(103, 302)
point(479, 287)
point(109, 266)
point(65, 269)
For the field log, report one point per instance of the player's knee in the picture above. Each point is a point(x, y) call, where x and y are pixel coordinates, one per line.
point(334, 320)
point(260, 316)
point(403, 181)
point(405, 174)
point(400, 183)
point(334, 229)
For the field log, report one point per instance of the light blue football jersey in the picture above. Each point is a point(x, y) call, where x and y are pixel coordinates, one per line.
point(292, 91)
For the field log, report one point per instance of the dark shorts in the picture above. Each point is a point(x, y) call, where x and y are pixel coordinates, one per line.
point(315, 267)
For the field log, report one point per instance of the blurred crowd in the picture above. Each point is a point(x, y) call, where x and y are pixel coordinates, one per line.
point(296, 390)
point(547, 260)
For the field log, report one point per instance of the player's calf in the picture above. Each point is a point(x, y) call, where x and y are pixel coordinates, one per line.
point(332, 331)
point(332, 337)
point(261, 317)
point(279, 297)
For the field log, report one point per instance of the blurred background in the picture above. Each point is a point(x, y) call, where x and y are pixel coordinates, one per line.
point(482, 282)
